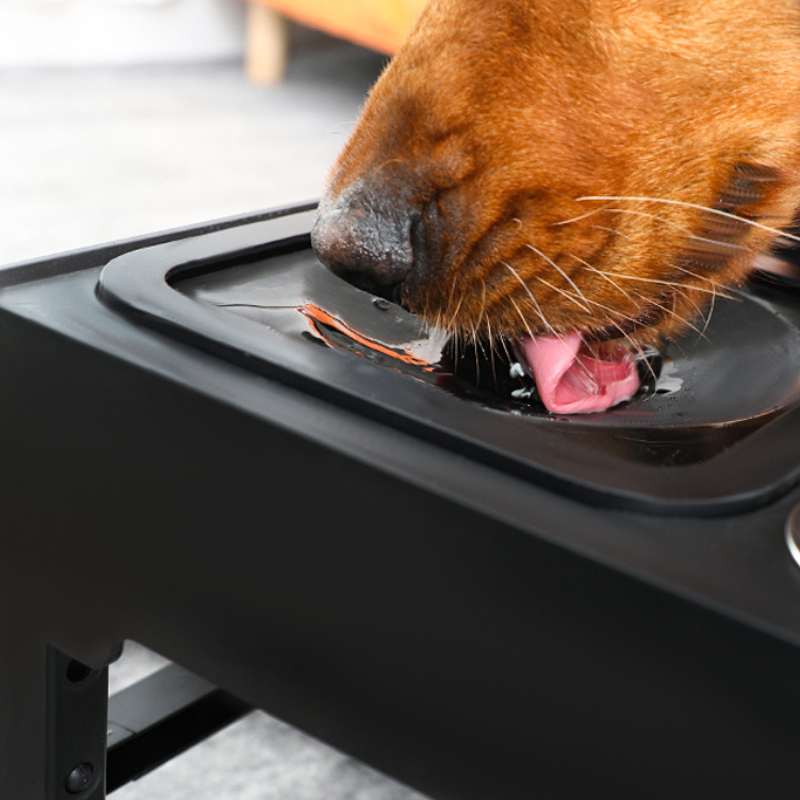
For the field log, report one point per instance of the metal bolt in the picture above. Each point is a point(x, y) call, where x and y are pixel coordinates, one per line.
point(79, 778)
point(383, 305)
point(77, 672)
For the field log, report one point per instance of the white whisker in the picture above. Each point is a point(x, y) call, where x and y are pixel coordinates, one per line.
point(333, 128)
point(565, 293)
point(636, 213)
point(525, 286)
point(582, 216)
point(477, 346)
point(715, 284)
point(504, 343)
point(491, 343)
point(677, 316)
point(714, 291)
point(711, 307)
point(521, 316)
point(680, 203)
point(606, 277)
point(455, 312)
point(556, 267)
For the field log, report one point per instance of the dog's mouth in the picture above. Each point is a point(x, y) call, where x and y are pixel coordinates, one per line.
point(576, 376)
point(577, 373)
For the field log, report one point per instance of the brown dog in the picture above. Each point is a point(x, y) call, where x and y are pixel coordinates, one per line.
point(580, 177)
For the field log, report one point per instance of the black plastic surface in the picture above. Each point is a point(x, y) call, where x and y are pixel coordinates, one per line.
point(697, 440)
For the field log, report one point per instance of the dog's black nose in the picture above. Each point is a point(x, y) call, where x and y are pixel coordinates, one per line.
point(365, 239)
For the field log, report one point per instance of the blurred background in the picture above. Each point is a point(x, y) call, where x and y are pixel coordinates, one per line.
point(127, 117)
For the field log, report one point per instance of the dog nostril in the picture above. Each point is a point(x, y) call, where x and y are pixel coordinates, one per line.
point(370, 248)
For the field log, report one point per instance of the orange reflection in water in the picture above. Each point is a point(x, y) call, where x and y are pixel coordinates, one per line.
point(319, 317)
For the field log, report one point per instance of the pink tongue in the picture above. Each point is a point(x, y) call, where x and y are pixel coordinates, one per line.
point(573, 382)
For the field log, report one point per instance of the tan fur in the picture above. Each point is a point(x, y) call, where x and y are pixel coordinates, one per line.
point(497, 120)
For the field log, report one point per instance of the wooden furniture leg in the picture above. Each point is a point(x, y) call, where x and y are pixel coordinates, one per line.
point(267, 45)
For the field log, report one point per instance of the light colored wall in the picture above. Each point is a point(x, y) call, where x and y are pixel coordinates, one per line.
point(84, 32)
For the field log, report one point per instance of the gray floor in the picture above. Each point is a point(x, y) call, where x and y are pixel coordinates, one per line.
point(89, 156)
point(257, 758)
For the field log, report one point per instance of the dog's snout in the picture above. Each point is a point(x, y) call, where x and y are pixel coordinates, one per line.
point(365, 242)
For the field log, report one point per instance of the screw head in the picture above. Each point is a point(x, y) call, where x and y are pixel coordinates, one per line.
point(80, 778)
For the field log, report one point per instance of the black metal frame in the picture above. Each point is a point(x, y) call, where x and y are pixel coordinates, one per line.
point(495, 639)
point(88, 744)
point(160, 717)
